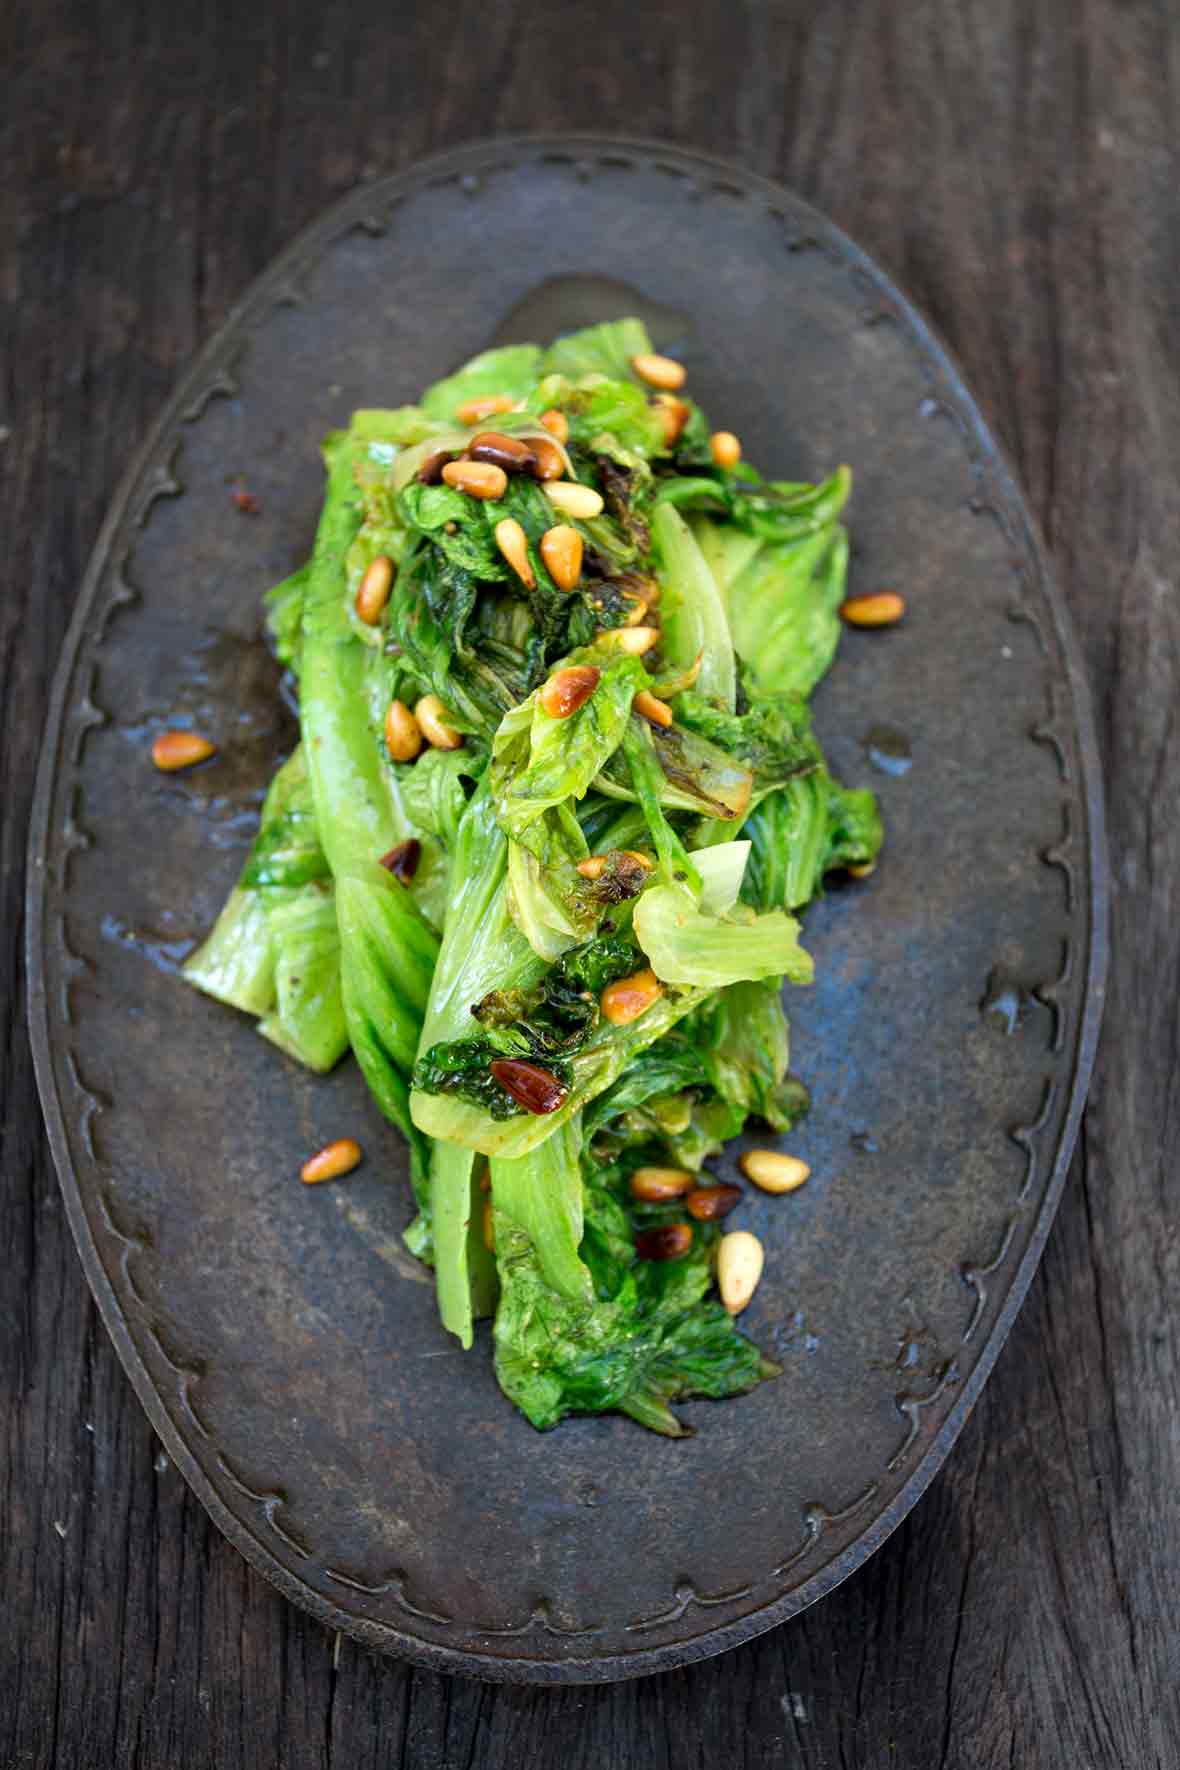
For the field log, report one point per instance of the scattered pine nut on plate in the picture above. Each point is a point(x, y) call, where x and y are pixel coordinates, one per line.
point(174, 750)
point(883, 608)
point(773, 1171)
point(331, 1162)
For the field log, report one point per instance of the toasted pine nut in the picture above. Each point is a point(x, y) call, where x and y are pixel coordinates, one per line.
point(534, 1088)
point(568, 689)
point(656, 711)
point(725, 448)
point(674, 414)
point(707, 1203)
point(331, 1161)
point(556, 423)
point(472, 411)
point(626, 1000)
point(403, 734)
point(594, 865)
point(659, 371)
point(882, 609)
point(573, 499)
point(667, 1242)
point(548, 460)
point(402, 859)
point(561, 549)
point(772, 1171)
point(373, 591)
point(431, 716)
point(656, 1186)
point(514, 545)
point(479, 479)
point(636, 640)
point(489, 1227)
point(739, 1267)
point(508, 452)
point(181, 749)
point(865, 870)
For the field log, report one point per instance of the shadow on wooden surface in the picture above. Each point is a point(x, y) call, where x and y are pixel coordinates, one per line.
point(1016, 168)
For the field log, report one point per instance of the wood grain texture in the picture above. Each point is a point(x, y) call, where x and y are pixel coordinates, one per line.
point(1016, 168)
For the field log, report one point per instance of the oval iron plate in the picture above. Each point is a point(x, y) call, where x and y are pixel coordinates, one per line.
point(284, 1346)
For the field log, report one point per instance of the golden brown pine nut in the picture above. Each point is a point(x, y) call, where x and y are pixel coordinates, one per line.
point(181, 749)
point(548, 460)
point(568, 689)
point(579, 501)
point(773, 1171)
point(636, 640)
point(373, 591)
point(655, 711)
point(479, 479)
point(514, 545)
point(674, 414)
point(882, 609)
point(330, 1162)
point(659, 371)
point(708, 1203)
point(593, 866)
point(657, 1186)
point(739, 1267)
point(725, 448)
point(473, 411)
point(403, 735)
point(626, 1000)
point(561, 549)
point(431, 716)
point(556, 423)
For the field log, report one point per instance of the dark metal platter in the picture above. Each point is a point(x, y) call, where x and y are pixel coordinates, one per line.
point(284, 1346)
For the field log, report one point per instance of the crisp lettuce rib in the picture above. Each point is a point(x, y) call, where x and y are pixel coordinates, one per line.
point(387, 948)
point(274, 951)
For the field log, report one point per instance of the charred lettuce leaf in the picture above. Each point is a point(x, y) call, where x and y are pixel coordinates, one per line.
point(804, 830)
point(650, 1336)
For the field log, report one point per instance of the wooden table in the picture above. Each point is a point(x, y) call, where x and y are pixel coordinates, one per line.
point(1017, 167)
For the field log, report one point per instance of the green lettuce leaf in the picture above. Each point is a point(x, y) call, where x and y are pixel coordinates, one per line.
point(691, 948)
point(808, 828)
point(308, 1019)
point(541, 1195)
point(284, 618)
point(274, 951)
point(287, 849)
point(604, 349)
point(772, 738)
point(510, 370)
point(387, 948)
point(693, 613)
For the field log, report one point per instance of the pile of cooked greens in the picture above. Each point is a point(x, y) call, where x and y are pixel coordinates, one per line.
point(456, 918)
